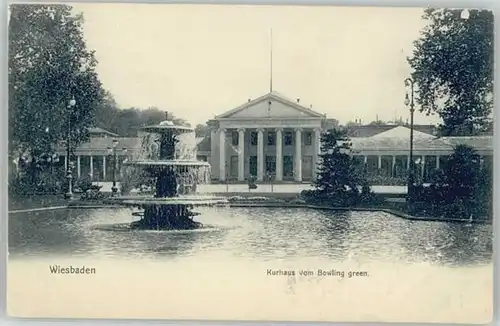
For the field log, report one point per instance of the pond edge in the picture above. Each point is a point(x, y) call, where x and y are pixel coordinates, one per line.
point(77, 204)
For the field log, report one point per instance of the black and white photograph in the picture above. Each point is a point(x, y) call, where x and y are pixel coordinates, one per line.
point(250, 162)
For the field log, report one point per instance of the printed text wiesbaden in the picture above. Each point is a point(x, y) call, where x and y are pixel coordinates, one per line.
point(80, 270)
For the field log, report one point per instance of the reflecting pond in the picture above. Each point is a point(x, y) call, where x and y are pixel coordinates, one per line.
point(255, 233)
point(409, 271)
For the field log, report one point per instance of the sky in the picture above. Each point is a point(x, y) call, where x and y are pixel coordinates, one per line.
point(198, 61)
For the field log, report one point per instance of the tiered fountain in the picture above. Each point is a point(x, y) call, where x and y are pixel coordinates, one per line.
point(168, 154)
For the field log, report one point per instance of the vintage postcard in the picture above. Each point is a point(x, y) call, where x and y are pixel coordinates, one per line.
point(247, 162)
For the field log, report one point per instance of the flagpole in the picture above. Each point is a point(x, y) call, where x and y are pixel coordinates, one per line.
point(271, 63)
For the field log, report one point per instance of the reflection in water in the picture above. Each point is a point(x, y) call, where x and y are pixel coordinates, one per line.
point(199, 274)
point(253, 233)
point(449, 243)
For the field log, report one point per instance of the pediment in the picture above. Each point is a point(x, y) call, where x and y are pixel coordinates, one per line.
point(270, 106)
point(402, 132)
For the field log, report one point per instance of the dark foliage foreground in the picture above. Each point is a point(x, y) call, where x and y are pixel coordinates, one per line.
point(462, 189)
point(340, 182)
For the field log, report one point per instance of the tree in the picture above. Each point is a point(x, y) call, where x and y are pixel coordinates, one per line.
point(463, 188)
point(339, 177)
point(453, 69)
point(49, 64)
point(202, 130)
point(126, 122)
point(107, 112)
point(466, 184)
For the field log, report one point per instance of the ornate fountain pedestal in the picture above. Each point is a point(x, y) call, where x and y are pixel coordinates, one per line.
point(175, 179)
point(167, 217)
point(174, 213)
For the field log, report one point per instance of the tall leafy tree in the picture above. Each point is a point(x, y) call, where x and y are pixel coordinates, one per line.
point(106, 112)
point(453, 69)
point(49, 64)
point(126, 122)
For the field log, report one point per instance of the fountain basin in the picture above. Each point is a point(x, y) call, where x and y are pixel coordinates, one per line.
point(168, 213)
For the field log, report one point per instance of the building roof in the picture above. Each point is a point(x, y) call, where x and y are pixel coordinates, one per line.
point(104, 143)
point(272, 96)
point(372, 130)
point(478, 142)
point(402, 132)
point(482, 143)
point(97, 130)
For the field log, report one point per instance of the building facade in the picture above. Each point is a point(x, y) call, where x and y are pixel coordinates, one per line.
point(270, 135)
point(275, 136)
point(95, 159)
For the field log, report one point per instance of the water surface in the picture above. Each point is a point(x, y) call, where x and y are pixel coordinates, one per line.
point(253, 233)
point(415, 271)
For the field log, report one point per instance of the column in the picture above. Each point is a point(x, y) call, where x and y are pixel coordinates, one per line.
point(393, 172)
point(437, 162)
point(213, 140)
point(279, 154)
point(65, 163)
point(260, 154)
point(91, 167)
point(241, 154)
point(298, 154)
point(222, 154)
point(78, 165)
point(104, 168)
point(317, 150)
point(379, 165)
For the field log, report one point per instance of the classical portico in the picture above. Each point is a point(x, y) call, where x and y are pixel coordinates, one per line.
point(270, 135)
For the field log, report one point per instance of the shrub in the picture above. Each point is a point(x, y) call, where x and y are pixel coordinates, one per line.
point(93, 193)
point(82, 185)
point(368, 197)
point(461, 190)
point(39, 183)
point(21, 186)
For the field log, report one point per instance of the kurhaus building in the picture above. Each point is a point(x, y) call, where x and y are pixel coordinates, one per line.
point(267, 135)
point(273, 135)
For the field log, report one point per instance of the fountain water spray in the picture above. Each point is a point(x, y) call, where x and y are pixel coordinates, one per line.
point(168, 154)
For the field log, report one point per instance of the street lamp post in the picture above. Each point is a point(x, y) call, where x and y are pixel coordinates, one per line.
point(69, 175)
point(227, 176)
point(270, 177)
point(113, 150)
point(409, 102)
